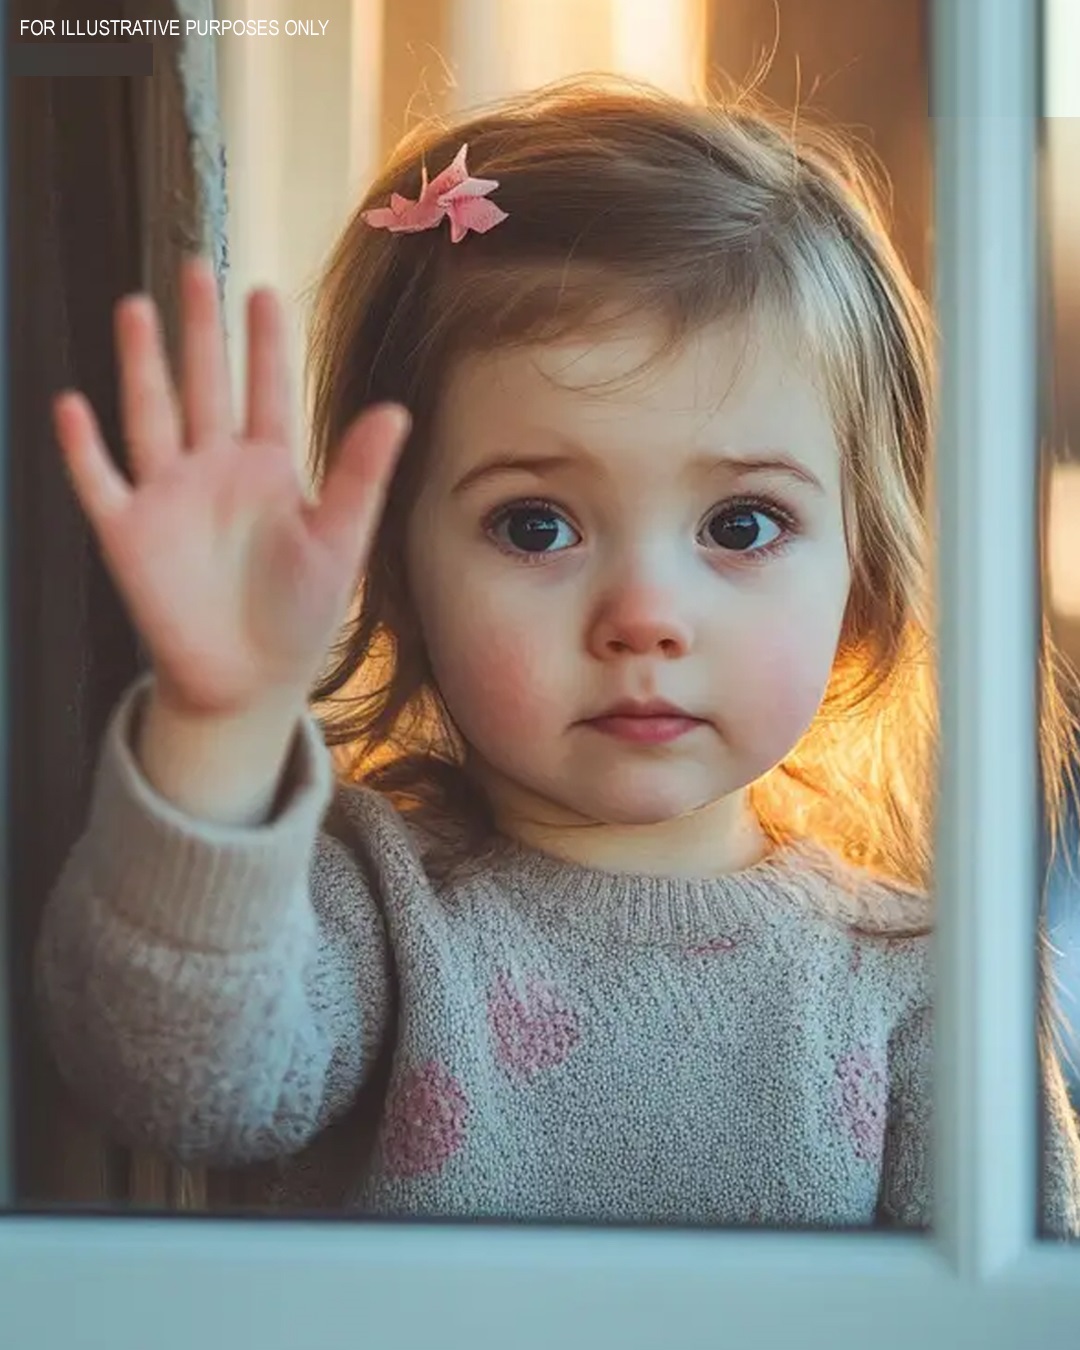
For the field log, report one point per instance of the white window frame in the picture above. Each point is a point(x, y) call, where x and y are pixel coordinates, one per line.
point(981, 1278)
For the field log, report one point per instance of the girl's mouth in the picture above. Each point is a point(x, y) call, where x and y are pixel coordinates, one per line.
point(654, 729)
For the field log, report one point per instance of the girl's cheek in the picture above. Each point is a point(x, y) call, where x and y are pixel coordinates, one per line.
point(781, 691)
point(500, 682)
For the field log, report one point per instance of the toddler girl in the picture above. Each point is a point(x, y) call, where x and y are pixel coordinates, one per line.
point(614, 906)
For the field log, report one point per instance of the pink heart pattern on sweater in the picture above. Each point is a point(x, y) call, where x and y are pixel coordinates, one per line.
point(711, 947)
point(533, 1030)
point(425, 1121)
point(861, 1101)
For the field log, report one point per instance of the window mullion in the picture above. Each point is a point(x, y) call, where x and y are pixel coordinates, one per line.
point(984, 83)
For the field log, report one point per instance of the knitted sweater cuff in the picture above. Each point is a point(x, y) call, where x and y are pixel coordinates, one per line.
point(194, 883)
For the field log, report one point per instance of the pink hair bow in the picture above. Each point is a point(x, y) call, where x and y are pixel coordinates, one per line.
point(452, 193)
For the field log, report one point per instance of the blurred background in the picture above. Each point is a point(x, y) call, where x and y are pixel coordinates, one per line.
point(306, 122)
point(258, 148)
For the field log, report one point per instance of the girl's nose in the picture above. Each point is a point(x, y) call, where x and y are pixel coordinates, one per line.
point(640, 620)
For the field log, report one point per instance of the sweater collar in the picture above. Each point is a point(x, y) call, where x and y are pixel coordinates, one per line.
point(787, 882)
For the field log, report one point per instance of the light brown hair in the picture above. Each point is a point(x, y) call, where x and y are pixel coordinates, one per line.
point(622, 199)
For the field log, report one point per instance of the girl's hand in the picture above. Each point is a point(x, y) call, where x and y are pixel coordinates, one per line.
point(235, 579)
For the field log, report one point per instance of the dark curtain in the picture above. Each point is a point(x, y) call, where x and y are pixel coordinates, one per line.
point(102, 200)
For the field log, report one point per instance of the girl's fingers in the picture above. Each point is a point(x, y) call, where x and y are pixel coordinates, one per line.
point(346, 514)
point(206, 393)
point(100, 487)
point(269, 385)
point(149, 413)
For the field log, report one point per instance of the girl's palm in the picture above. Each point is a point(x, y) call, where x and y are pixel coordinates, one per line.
point(234, 578)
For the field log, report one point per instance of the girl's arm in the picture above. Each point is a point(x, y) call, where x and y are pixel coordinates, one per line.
point(1061, 1153)
point(907, 1172)
point(214, 990)
point(907, 1167)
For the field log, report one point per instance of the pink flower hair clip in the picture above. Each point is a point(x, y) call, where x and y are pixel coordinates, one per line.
point(452, 193)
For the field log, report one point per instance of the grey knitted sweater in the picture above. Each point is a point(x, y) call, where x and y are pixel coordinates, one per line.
point(543, 1040)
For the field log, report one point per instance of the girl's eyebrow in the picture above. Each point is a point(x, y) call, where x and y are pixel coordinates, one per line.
point(776, 462)
point(737, 465)
point(537, 464)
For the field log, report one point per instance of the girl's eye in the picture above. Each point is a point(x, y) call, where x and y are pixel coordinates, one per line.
point(745, 528)
point(532, 528)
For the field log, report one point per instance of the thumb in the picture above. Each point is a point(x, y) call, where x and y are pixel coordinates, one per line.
point(347, 513)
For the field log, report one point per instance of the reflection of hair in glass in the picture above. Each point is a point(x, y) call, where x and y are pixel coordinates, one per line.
point(623, 201)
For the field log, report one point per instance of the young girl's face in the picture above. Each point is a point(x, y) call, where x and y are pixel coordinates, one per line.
point(574, 549)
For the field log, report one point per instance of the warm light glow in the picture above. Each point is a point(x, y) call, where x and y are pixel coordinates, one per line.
point(365, 92)
point(664, 44)
point(1063, 535)
point(498, 47)
point(551, 40)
